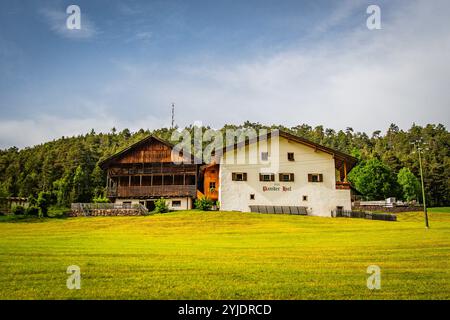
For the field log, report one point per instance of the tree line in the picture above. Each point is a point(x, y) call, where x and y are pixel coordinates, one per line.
point(67, 168)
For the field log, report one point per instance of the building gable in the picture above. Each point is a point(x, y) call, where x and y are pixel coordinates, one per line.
point(153, 151)
point(148, 150)
point(339, 157)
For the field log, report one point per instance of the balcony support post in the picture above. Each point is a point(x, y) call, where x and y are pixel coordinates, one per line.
point(345, 171)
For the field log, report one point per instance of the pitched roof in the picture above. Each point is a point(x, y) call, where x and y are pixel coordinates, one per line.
point(335, 153)
point(141, 142)
point(338, 155)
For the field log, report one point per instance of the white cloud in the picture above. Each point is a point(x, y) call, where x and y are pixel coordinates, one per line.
point(361, 79)
point(141, 36)
point(30, 132)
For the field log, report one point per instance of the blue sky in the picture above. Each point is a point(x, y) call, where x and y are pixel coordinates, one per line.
point(284, 62)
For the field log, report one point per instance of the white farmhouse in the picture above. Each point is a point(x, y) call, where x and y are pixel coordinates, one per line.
point(283, 172)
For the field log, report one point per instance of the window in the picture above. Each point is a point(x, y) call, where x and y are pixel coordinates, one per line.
point(315, 177)
point(286, 177)
point(176, 203)
point(157, 180)
point(126, 204)
point(305, 198)
point(168, 180)
point(252, 196)
point(239, 176)
point(124, 181)
point(290, 156)
point(178, 180)
point(212, 185)
point(146, 180)
point(266, 177)
point(264, 156)
point(135, 181)
point(190, 179)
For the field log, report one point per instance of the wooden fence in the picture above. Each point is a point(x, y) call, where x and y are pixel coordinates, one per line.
point(363, 215)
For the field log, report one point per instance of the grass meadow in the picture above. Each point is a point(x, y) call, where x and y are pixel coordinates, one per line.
point(226, 255)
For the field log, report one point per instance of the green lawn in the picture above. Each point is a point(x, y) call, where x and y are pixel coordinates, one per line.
point(226, 255)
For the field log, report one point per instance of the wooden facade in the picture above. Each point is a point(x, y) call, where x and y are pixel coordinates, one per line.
point(211, 182)
point(147, 170)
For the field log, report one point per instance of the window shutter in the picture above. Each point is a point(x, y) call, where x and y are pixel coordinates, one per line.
point(272, 177)
point(309, 177)
point(280, 177)
point(261, 177)
point(291, 177)
point(244, 176)
point(320, 177)
point(233, 176)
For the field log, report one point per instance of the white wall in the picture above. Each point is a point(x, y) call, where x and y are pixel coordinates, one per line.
point(322, 196)
point(186, 203)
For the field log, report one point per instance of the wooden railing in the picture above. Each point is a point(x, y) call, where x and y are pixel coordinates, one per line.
point(153, 191)
point(363, 214)
point(342, 185)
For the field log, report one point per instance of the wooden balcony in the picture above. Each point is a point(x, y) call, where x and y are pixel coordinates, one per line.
point(153, 191)
point(342, 185)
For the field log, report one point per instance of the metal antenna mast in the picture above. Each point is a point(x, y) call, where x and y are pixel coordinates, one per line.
point(173, 115)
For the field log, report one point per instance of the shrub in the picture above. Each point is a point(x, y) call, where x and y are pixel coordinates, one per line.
point(409, 184)
point(18, 210)
point(204, 203)
point(32, 200)
point(32, 211)
point(100, 199)
point(57, 212)
point(44, 200)
point(161, 206)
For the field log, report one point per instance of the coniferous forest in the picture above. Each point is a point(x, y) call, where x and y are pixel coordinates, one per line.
point(388, 165)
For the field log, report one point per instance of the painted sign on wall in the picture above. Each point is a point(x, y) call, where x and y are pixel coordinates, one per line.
point(276, 188)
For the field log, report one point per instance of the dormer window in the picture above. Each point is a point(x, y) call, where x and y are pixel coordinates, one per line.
point(290, 156)
point(264, 156)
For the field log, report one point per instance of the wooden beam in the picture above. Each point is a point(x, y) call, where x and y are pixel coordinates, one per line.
point(196, 177)
point(345, 171)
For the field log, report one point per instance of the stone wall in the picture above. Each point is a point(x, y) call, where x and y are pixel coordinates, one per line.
point(105, 212)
